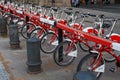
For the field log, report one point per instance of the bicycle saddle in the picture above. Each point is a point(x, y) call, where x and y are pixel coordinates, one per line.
point(68, 12)
point(46, 6)
point(101, 16)
point(55, 9)
point(43, 6)
point(69, 8)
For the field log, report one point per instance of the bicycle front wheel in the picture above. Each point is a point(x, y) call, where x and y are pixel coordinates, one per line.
point(88, 62)
point(84, 47)
point(48, 42)
point(62, 53)
point(37, 33)
point(108, 57)
point(27, 29)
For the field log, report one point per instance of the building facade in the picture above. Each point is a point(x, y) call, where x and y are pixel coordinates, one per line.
point(57, 2)
point(82, 2)
point(68, 2)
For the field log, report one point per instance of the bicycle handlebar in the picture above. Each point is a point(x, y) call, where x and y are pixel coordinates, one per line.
point(92, 15)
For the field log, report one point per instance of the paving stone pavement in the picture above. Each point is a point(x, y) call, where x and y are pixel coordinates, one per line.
point(3, 73)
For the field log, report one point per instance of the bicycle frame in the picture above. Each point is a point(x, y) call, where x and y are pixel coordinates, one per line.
point(100, 55)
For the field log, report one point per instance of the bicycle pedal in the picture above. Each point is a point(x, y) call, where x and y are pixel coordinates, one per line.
point(112, 69)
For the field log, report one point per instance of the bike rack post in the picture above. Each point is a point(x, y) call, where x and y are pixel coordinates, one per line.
point(60, 39)
point(27, 20)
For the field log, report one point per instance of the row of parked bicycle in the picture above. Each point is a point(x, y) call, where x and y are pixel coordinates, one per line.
point(42, 21)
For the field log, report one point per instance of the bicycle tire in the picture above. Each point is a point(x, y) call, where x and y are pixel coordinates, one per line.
point(46, 44)
point(108, 57)
point(26, 32)
point(66, 59)
point(85, 58)
point(20, 24)
point(84, 47)
point(36, 33)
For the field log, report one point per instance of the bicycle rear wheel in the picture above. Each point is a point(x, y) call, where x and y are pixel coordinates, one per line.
point(88, 62)
point(62, 53)
point(27, 29)
point(48, 42)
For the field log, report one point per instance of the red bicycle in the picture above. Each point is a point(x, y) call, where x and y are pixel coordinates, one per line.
point(49, 41)
point(34, 26)
point(95, 61)
point(70, 50)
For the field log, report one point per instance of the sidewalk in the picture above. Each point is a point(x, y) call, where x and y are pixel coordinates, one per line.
point(17, 64)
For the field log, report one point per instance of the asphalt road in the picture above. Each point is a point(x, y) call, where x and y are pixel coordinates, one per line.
point(107, 8)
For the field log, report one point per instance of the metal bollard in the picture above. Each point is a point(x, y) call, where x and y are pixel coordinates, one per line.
point(33, 56)
point(3, 26)
point(84, 75)
point(14, 36)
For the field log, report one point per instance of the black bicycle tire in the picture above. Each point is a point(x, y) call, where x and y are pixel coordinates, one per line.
point(35, 30)
point(41, 41)
point(84, 59)
point(55, 53)
point(108, 59)
point(86, 50)
point(23, 28)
